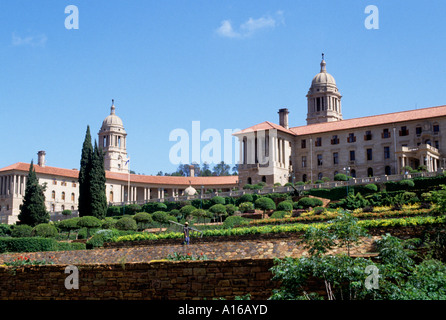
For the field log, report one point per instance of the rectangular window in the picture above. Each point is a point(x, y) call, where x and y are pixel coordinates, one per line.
point(318, 104)
point(404, 131)
point(418, 130)
point(369, 154)
point(319, 160)
point(335, 140)
point(386, 152)
point(385, 134)
point(436, 128)
point(437, 144)
point(318, 142)
point(304, 161)
point(351, 138)
point(368, 135)
point(335, 158)
point(303, 143)
point(352, 155)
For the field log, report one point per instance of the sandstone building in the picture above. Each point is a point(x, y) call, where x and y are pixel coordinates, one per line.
point(62, 189)
point(369, 146)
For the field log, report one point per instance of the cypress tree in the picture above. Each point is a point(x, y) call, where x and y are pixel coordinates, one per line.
point(33, 210)
point(97, 184)
point(84, 176)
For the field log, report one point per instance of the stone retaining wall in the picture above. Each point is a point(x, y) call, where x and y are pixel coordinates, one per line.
point(142, 281)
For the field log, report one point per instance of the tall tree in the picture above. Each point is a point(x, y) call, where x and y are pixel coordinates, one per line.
point(84, 176)
point(97, 184)
point(221, 169)
point(33, 210)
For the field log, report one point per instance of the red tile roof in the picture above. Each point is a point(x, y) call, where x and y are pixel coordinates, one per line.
point(264, 126)
point(156, 180)
point(388, 118)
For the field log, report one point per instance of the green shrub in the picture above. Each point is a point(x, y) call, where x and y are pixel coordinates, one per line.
point(187, 210)
point(234, 221)
point(152, 207)
point(279, 214)
point(126, 223)
point(340, 177)
point(44, 230)
point(371, 188)
point(308, 202)
point(113, 211)
point(5, 230)
point(230, 209)
point(246, 206)
point(406, 183)
point(21, 230)
point(27, 244)
point(69, 246)
point(162, 217)
point(109, 223)
point(101, 236)
point(265, 203)
point(218, 200)
point(285, 206)
point(131, 209)
point(245, 198)
point(66, 212)
point(89, 222)
point(143, 219)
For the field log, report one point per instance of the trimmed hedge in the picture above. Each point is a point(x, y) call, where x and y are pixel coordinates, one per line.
point(27, 244)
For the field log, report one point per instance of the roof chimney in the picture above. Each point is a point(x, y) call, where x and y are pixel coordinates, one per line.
point(41, 158)
point(192, 170)
point(283, 117)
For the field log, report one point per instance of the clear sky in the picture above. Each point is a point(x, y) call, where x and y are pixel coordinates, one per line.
point(228, 64)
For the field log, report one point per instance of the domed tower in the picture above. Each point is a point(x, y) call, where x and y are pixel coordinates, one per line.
point(324, 99)
point(112, 141)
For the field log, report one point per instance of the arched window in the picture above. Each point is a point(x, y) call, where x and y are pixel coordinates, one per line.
point(53, 208)
point(320, 176)
point(249, 180)
point(264, 179)
point(304, 178)
point(72, 197)
point(63, 195)
point(62, 207)
point(111, 196)
point(388, 170)
point(353, 173)
point(370, 172)
point(53, 194)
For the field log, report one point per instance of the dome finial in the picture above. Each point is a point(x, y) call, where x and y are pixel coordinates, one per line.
point(113, 107)
point(323, 64)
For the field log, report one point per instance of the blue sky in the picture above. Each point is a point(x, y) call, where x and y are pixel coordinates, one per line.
point(228, 64)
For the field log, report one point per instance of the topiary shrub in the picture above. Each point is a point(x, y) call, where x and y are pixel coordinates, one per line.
point(265, 204)
point(340, 177)
point(285, 206)
point(44, 230)
point(89, 222)
point(218, 200)
point(246, 206)
point(113, 211)
point(126, 223)
point(186, 211)
point(371, 188)
point(230, 209)
point(66, 212)
point(406, 184)
point(21, 230)
point(278, 214)
point(143, 219)
point(308, 202)
point(245, 198)
point(234, 221)
point(109, 223)
point(218, 210)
